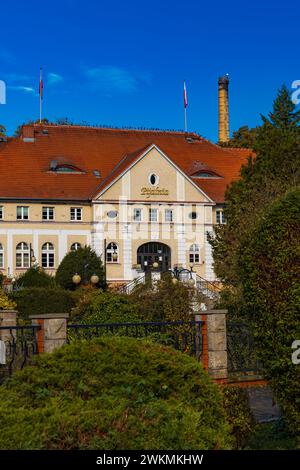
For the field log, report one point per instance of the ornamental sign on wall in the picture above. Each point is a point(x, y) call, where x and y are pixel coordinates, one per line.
point(154, 192)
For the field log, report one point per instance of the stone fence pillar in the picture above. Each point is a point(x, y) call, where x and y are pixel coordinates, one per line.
point(214, 341)
point(53, 330)
point(7, 318)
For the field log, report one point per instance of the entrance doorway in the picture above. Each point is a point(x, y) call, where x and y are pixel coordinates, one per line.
point(152, 252)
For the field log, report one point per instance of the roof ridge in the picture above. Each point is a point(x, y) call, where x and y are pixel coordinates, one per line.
point(116, 129)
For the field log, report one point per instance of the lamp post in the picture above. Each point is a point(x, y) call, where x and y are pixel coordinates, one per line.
point(94, 279)
point(32, 258)
point(177, 272)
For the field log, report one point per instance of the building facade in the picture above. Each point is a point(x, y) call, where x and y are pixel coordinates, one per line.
point(136, 197)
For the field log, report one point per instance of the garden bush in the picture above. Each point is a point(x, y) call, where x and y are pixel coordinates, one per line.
point(5, 302)
point(74, 262)
point(97, 306)
point(35, 277)
point(37, 300)
point(238, 414)
point(112, 393)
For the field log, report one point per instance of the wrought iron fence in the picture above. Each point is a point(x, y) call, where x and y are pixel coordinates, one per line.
point(18, 344)
point(241, 351)
point(185, 336)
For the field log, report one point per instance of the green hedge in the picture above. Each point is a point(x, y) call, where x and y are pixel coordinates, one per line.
point(238, 414)
point(105, 307)
point(43, 300)
point(35, 277)
point(270, 273)
point(112, 394)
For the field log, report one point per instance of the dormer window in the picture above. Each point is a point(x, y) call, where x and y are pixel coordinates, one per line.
point(64, 167)
point(206, 174)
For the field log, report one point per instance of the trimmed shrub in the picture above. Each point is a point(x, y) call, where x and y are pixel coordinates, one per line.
point(35, 277)
point(74, 263)
point(238, 414)
point(112, 393)
point(105, 307)
point(42, 300)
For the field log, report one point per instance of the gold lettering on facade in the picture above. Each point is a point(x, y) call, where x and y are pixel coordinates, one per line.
point(154, 192)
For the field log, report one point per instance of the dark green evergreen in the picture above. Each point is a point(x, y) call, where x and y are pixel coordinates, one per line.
point(84, 262)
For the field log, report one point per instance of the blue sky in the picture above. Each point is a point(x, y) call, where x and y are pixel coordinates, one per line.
point(123, 63)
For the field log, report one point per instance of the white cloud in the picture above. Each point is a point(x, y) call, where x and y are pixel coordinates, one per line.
point(110, 78)
point(25, 89)
point(54, 78)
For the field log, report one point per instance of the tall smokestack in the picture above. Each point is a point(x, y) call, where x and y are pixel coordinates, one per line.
point(223, 109)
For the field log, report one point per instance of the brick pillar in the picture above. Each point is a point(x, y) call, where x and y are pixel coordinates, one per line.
point(214, 343)
point(7, 318)
point(53, 331)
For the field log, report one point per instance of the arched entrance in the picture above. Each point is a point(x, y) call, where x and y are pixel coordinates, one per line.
point(152, 252)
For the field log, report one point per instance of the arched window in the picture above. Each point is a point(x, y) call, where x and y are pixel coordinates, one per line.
point(194, 254)
point(112, 253)
point(48, 254)
point(22, 255)
point(75, 246)
point(1, 256)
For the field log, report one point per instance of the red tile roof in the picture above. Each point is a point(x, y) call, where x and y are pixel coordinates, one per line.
point(24, 166)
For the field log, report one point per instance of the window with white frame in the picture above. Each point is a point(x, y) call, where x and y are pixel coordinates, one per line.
point(112, 253)
point(220, 217)
point(194, 254)
point(75, 246)
point(22, 213)
point(22, 255)
point(76, 213)
point(153, 215)
point(1, 256)
point(48, 213)
point(168, 215)
point(137, 215)
point(1, 212)
point(48, 255)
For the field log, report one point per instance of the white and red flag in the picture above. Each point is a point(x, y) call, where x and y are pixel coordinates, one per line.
point(41, 84)
point(185, 101)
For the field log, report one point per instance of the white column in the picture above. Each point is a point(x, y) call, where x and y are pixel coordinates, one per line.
point(127, 252)
point(63, 246)
point(10, 253)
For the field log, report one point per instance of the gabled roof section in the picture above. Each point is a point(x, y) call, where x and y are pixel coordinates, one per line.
point(130, 160)
point(25, 160)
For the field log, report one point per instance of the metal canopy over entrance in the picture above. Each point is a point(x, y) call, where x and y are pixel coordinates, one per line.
point(152, 252)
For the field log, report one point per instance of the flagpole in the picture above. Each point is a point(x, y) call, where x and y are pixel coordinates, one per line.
point(41, 96)
point(185, 102)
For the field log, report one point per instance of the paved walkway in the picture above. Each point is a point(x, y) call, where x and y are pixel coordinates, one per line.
point(262, 405)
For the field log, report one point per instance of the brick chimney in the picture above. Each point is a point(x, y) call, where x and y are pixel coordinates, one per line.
point(27, 133)
point(223, 109)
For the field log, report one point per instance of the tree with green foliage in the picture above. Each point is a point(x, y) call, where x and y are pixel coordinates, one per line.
point(274, 170)
point(84, 262)
point(113, 394)
point(244, 137)
point(35, 277)
point(270, 274)
point(2, 130)
point(167, 302)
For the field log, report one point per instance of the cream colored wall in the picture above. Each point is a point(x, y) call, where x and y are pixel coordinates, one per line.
point(61, 212)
